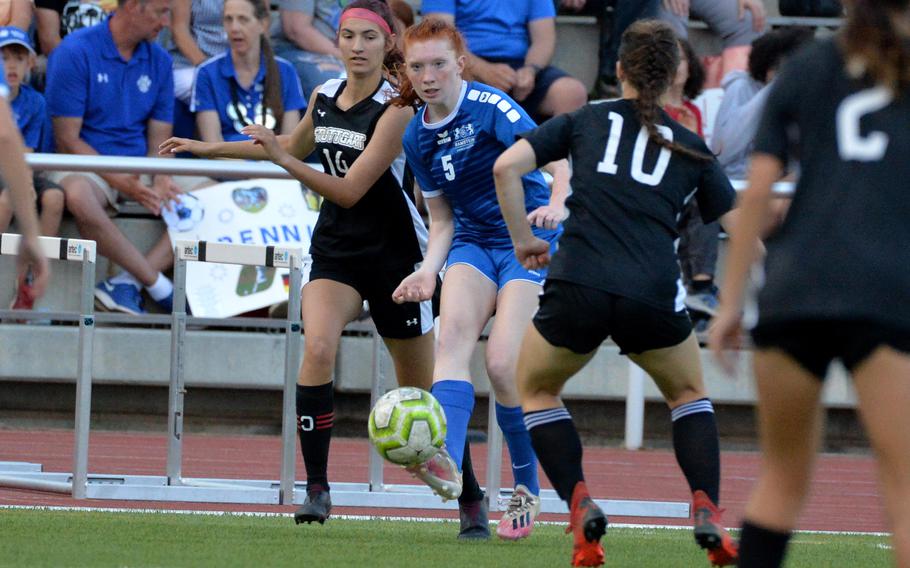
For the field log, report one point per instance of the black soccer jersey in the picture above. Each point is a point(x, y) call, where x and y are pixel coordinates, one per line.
point(384, 226)
point(627, 195)
point(844, 250)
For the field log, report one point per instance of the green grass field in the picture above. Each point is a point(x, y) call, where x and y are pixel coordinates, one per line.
point(64, 538)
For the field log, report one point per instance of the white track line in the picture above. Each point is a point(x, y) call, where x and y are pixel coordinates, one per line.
point(366, 518)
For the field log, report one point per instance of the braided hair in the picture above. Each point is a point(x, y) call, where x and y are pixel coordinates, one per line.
point(649, 55)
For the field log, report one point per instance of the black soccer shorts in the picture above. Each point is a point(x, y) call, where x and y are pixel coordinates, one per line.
point(375, 284)
point(580, 318)
point(814, 343)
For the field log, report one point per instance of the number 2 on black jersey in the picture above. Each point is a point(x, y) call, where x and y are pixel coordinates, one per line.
point(609, 166)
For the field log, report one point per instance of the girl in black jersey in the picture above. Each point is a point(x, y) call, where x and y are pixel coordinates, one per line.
point(837, 272)
point(616, 274)
point(368, 237)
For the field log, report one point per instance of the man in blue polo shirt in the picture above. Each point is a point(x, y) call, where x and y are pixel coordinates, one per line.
point(110, 91)
point(511, 45)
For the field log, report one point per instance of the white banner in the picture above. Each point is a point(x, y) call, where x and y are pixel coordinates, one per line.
point(257, 211)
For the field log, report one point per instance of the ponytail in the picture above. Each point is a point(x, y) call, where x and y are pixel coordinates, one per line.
point(271, 95)
point(649, 55)
point(872, 45)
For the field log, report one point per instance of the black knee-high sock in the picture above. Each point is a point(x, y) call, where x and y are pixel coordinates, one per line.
point(760, 547)
point(470, 489)
point(696, 446)
point(315, 417)
point(558, 448)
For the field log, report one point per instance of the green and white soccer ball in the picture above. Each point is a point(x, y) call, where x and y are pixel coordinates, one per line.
point(407, 426)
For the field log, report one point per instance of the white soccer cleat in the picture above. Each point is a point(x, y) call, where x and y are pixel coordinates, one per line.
point(518, 519)
point(440, 473)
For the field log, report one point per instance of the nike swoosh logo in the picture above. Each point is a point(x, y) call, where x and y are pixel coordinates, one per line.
point(520, 466)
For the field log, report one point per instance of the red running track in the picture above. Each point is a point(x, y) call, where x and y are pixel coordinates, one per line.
point(844, 495)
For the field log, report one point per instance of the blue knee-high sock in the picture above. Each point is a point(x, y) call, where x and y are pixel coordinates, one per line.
point(457, 399)
point(524, 461)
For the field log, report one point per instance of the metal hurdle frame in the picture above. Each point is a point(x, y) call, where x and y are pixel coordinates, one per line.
point(172, 486)
point(84, 251)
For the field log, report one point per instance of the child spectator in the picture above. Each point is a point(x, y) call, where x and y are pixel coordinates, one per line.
point(698, 242)
point(745, 94)
point(247, 84)
point(30, 114)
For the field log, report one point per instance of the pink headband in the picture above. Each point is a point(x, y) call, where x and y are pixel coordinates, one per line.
point(369, 15)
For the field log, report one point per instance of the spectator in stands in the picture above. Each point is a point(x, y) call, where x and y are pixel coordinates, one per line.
point(745, 95)
point(308, 40)
point(197, 33)
point(612, 25)
point(58, 18)
point(698, 242)
point(33, 270)
point(110, 91)
point(737, 23)
point(30, 114)
point(247, 84)
point(511, 45)
point(16, 13)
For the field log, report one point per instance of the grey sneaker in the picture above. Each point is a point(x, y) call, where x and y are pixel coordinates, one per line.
point(518, 519)
point(316, 507)
point(475, 520)
point(441, 473)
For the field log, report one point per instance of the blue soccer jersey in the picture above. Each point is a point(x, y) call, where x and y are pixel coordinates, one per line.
point(454, 157)
point(216, 88)
point(30, 114)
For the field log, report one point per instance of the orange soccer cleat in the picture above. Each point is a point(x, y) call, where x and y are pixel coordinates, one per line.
point(710, 533)
point(588, 524)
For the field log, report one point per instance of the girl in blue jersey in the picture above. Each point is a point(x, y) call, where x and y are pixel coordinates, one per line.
point(247, 84)
point(837, 274)
point(451, 145)
point(368, 236)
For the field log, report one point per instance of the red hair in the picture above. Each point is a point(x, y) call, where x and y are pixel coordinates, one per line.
point(428, 29)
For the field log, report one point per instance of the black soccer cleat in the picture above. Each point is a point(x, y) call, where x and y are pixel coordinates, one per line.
point(316, 507)
point(474, 518)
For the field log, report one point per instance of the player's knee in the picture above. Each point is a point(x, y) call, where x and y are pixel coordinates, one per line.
point(319, 353)
point(500, 368)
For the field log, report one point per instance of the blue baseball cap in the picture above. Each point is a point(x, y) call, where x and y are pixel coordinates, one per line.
point(11, 35)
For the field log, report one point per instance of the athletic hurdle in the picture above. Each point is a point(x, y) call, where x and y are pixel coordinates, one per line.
point(77, 250)
point(172, 486)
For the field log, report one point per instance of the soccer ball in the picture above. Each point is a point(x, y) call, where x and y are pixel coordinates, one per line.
point(407, 426)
